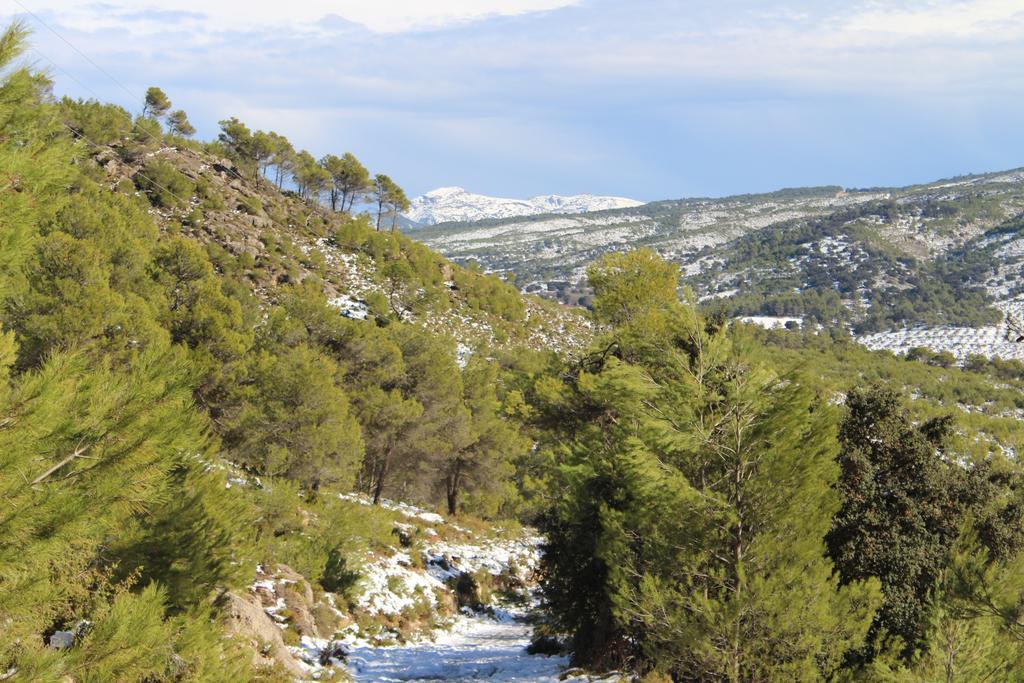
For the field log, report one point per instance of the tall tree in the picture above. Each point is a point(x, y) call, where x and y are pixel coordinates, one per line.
point(178, 124)
point(482, 467)
point(390, 199)
point(295, 421)
point(263, 147)
point(310, 177)
point(686, 535)
point(156, 103)
point(631, 285)
point(282, 159)
point(397, 203)
point(332, 164)
point(352, 180)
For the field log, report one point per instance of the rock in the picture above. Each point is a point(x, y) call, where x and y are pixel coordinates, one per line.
point(62, 640)
point(299, 582)
point(246, 618)
point(300, 611)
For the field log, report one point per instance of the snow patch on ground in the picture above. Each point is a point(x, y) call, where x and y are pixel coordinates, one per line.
point(478, 647)
point(392, 586)
point(993, 341)
point(770, 322)
point(402, 508)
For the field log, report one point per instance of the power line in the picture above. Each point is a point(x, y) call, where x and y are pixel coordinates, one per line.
point(134, 96)
point(80, 135)
point(73, 47)
point(121, 85)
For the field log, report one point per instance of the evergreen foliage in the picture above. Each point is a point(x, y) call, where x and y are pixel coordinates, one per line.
point(903, 507)
point(687, 532)
point(156, 103)
point(688, 481)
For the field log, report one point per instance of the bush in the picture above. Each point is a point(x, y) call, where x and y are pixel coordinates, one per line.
point(165, 185)
point(338, 576)
point(251, 206)
point(548, 646)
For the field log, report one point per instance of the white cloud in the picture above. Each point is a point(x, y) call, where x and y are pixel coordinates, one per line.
point(383, 16)
point(938, 20)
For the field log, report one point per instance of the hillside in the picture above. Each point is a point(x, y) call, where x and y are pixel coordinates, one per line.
point(545, 249)
point(246, 435)
point(870, 261)
point(275, 238)
point(209, 388)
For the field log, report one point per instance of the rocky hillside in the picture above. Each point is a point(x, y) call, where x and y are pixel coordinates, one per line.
point(283, 239)
point(869, 261)
point(547, 249)
point(426, 597)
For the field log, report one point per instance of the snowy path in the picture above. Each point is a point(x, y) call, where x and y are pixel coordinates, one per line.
point(478, 648)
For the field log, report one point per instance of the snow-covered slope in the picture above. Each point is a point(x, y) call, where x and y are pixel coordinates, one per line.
point(448, 204)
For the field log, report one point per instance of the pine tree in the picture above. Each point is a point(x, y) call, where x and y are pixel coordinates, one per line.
point(482, 468)
point(178, 124)
point(33, 155)
point(631, 285)
point(687, 532)
point(295, 421)
point(390, 200)
point(156, 103)
point(86, 454)
point(352, 181)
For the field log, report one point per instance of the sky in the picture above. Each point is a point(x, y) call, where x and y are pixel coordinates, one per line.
point(649, 99)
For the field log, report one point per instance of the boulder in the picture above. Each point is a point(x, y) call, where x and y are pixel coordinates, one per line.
point(246, 619)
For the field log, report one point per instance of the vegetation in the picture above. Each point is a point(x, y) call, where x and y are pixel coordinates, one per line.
point(135, 362)
point(698, 483)
point(180, 401)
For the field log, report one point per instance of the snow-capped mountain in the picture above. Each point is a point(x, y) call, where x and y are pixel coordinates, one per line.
point(448, 204)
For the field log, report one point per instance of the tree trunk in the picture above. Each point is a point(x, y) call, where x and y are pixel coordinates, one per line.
point(380, 475)
point(453, 482)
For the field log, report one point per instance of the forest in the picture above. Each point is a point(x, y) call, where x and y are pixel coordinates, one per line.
point(180, 403)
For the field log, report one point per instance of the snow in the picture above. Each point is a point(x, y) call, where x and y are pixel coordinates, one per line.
point(490, 644)
point(478, 647)
point(448, 204)
point(990, 341)
point(770, 322)
point(446, 560)
point(403, 508)
point(462, 354)
point(392, 586)
point(351, 307)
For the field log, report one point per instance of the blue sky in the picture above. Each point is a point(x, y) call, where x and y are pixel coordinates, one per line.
point(650, 99)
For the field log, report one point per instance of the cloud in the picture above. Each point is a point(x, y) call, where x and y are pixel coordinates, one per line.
point(542, 96)
point(991, 19)
point(382, 16)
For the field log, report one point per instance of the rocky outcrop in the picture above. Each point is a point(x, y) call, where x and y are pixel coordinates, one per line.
point(247, 619)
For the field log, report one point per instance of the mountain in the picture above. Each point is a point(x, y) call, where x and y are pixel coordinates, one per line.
point(872, 261)
point(449, 204)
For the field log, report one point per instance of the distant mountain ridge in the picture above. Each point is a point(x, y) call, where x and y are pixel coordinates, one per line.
point(455, 204)
point(935, 265)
